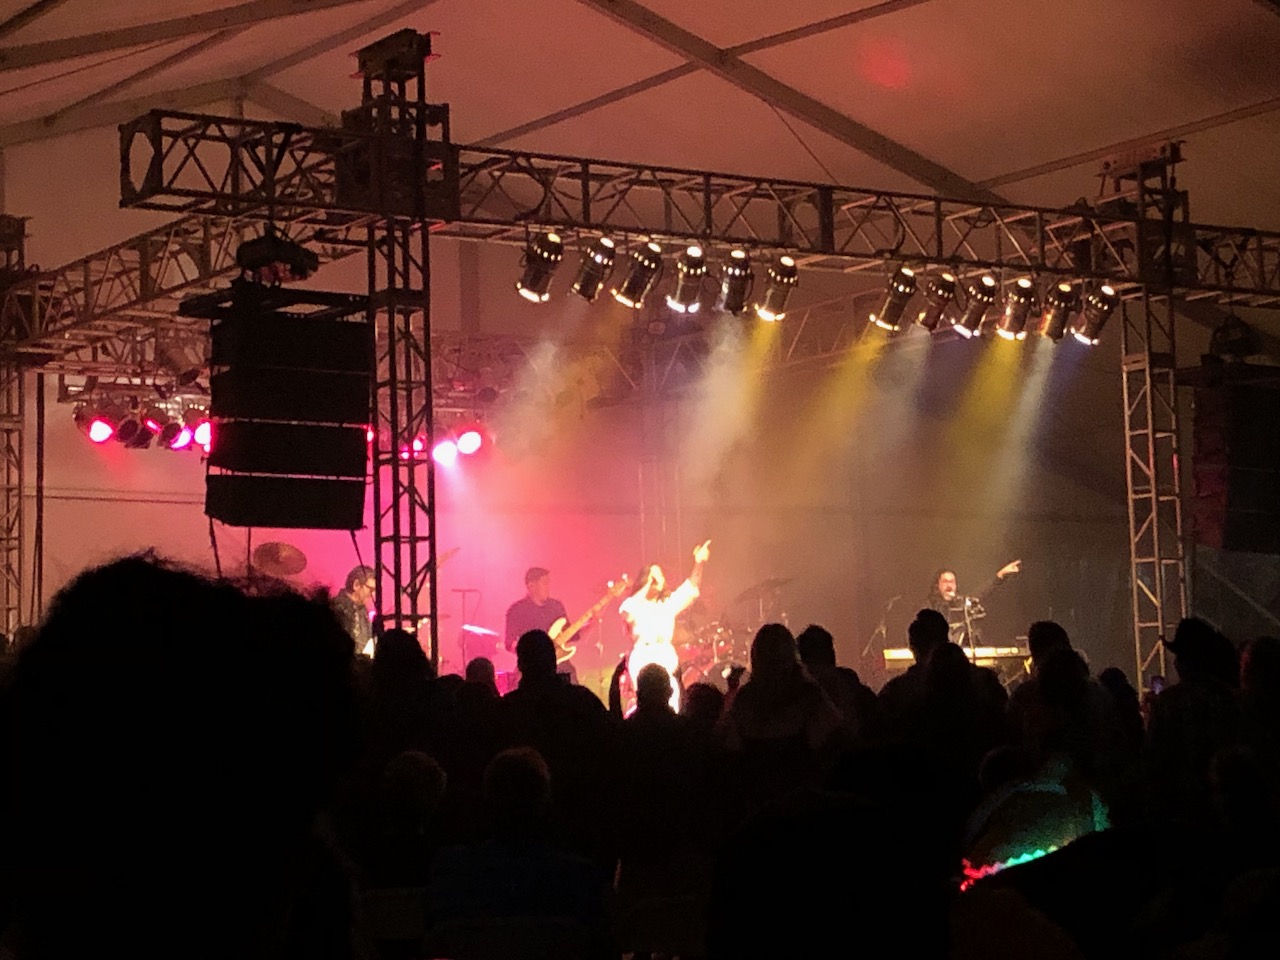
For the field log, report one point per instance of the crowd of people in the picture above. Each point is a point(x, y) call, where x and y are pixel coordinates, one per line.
point(200, 768)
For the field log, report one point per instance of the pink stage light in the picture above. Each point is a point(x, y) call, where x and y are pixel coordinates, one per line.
point(470, 441)
point(445, 453)
point(419, 445)
point(369, 434)
point(100, 431)
point(152, 425)
point(182, 440)
point(203, 434)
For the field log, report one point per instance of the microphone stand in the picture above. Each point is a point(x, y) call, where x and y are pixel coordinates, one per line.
point(881, 630)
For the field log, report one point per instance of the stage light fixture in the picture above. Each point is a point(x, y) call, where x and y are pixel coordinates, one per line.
point(691, 267)
point(181, 440)
point(1059, 304)
point(1098, 307)
point(597, 265)
point(202, 434)
point(134, 432)
point(542, 255)
point(470, 441)
point(646, 261)
point(101, 430)
point(1018, 303)
point(736, 280)
point(938, 294)
point(445, 453)
point(902, 285)
point(94, 422)
point(783, 276)
point(981, 296)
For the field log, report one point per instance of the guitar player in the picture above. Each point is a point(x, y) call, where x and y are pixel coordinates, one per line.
point(536, 610)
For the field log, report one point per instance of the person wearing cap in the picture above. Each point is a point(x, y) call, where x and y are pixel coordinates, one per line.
point(536, 610)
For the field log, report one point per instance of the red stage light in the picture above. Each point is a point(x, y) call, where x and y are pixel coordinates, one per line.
point(445, 453)
point(469, 441)
point(182, 440)
point(419, 445)
point(369, 434)
point(152, 425)
point(100, 430)
point(203, 434)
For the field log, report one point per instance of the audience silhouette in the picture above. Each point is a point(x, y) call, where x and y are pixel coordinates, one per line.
point(215, 773)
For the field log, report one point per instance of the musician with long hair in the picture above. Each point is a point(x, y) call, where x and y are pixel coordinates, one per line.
point(650, 615)
point(962, 611)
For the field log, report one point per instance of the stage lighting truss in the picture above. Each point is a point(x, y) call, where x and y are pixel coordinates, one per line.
point(646, 262)
point(1099, 304)
point(938, 294)
point(542, 255)
point(782, 278)
point(691, 268)
point(1019, 303)
point(982, 294)
point(902, 286)
point(736, 281)
point(166, 422)
point(1060, 302)
point(595, 269)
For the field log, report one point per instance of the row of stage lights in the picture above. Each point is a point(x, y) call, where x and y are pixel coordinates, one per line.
point(446, 451)
point(544, 252)
point(138, 428)
point(1064, 307)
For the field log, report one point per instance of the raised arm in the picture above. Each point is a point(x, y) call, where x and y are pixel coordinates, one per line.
point(684, 595)
point(701, 554)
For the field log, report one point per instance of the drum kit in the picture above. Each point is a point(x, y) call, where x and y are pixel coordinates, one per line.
point(709, 652)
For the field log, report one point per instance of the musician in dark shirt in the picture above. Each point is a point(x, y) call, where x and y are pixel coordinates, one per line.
point(537, 610)
point(351, 607)
point(961, 611)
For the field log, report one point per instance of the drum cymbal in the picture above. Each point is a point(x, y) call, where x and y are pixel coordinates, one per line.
point(279, 559)
point(761, 589)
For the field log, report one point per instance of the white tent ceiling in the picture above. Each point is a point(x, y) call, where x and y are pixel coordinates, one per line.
point(1020, 98)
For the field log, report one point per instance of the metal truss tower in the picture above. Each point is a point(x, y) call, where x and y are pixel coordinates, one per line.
point(397, 170)
point(1158, 572)
point(12, 434)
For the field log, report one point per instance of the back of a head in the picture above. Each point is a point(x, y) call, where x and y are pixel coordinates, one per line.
point(653, 687)
point(399, 656)
point(702, 704)
point(1044, 636)
point(1115, 682)
point(536, 656)
point(481, 670)
point(773, 653)
point(927, 631)
point(816, 646)
point(517, 789)
point(140, 729)
point(411, 789)
point(1201, 650)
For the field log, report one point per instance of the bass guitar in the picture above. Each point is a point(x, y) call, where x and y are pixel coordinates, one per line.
point(563, 632)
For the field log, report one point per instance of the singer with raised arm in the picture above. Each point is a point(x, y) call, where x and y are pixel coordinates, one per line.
point(963, 611)
point(650, 615)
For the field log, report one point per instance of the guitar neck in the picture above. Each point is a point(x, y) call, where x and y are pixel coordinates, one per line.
point(572, 629)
